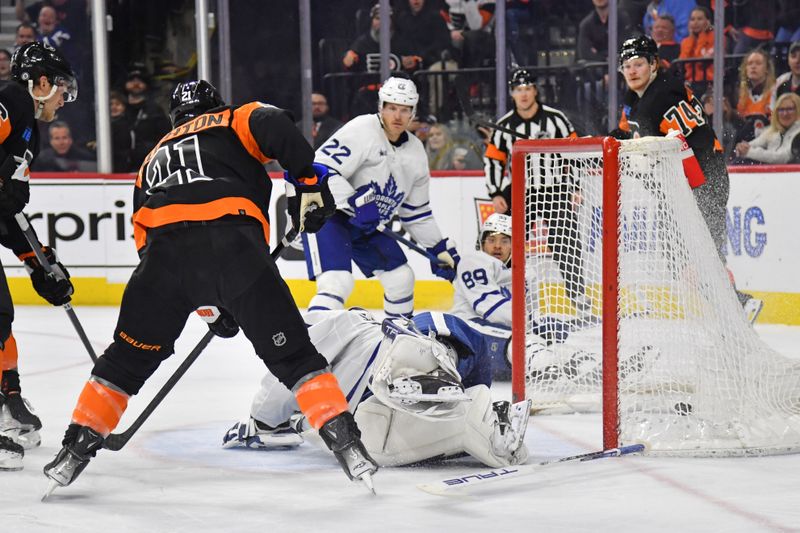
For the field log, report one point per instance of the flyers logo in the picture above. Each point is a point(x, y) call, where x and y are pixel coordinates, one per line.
point(3, 112)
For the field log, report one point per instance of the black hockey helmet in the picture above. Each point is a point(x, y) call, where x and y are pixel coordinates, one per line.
point(191, 99)
point(520, 77)
point(640, 46)
point(33, 60)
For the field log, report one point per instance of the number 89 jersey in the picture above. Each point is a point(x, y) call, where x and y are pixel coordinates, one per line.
point(482, 289)
point(213, 166)
point(667, 104)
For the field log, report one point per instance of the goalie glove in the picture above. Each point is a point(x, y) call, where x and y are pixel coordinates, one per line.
point(55, 287)
point(312, 204)
point(447, 259)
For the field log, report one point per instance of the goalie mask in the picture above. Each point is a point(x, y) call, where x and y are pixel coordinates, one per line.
point(496, 225)
point(417, 374)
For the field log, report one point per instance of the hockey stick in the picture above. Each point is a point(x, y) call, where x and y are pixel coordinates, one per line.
point(466, 107)
point(414, 246)
point(441, 488)
point(53, 271)
point(116, 441)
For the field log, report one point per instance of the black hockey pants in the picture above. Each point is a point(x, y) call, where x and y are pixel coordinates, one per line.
point(188, 265)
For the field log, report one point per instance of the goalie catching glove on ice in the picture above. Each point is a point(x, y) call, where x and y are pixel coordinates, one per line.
point(429, 380)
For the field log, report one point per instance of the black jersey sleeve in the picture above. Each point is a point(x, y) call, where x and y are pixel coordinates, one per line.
point(272, 131)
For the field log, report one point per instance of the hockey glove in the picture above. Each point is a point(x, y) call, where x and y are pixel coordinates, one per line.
point(448, 258)
point(13, 197)
point(55, 289)
point(366, 216)
point(313, 204)
point(225, 326)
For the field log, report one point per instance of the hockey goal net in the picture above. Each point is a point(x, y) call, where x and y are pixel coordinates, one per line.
point(607, 237)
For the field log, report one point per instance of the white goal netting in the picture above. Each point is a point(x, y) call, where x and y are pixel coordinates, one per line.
point(693, 376)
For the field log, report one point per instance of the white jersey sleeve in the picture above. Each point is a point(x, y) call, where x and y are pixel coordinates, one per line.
point(482, 289)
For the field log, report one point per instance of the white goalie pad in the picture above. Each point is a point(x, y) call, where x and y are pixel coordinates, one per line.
point(416, 374)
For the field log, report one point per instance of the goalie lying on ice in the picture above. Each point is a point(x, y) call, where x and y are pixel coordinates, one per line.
point(419, 390)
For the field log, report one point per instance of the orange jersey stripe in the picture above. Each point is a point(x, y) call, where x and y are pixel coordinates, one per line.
point(241, 125)
point(99, 407)
point(321, 399)
point(493, 152)
point(147, 217)
point(8, 355)
point(5, 128)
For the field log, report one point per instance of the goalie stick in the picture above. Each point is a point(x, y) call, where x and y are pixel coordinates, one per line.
point(55, 272)
point(441, 488)
point(116, 441)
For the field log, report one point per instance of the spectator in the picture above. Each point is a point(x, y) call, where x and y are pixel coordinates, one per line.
point(25, 33)
point(421, 32)
point(459, 160)
point(421, 127)
point(121, 134)
point(788, 22)
point(63, 155)
point(774, 144)
point(5, 64)
point(730, 121)
point(147, 120)
point(323, 125)
point(664, 36)
point(364, 53)
point(518, 13)
point(788, 81)
point(699, 44)
point(70, 14)
point(754, 24)
point(679, 9)
point(469, 22)
point(593, 32)
point(635, 9)
point(440, 147)
point(756, 80)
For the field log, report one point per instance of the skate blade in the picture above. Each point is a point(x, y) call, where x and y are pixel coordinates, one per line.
point(366, 478)
point(51, 487)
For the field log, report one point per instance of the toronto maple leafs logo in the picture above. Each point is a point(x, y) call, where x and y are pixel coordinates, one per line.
point(387, 199)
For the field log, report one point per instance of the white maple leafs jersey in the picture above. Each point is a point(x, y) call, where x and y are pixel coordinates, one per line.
point(482, 289)
point(399, 175)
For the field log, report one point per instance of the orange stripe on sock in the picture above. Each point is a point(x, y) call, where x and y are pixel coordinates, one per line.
point(8, 356)
point(320, 399)
point(99, 407)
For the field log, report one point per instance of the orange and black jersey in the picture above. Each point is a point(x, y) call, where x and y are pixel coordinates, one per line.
point(213, 166)
point(19, 146)
point(667, 104)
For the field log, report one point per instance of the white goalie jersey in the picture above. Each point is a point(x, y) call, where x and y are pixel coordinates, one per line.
point(362, 156)
point(483, 290)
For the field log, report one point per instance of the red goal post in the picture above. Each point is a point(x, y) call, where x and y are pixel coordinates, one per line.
point(610, 246)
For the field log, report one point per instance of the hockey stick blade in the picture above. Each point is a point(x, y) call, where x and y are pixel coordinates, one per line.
point(442, 488)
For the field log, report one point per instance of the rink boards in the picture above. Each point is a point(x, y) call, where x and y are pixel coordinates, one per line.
point(86, 217)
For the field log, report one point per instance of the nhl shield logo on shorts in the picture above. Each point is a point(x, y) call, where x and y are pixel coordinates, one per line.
point(279, 339)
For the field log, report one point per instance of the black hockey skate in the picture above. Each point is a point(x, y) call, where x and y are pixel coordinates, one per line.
point(342, 436)
point(11, 454)
point(20, 410)
point(18, 422)
point(80, 445)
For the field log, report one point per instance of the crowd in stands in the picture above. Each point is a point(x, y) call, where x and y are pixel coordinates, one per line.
point(557, 40)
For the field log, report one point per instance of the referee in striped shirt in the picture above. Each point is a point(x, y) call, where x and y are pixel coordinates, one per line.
point(550, 198)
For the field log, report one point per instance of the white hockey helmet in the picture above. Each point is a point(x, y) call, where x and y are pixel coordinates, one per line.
point(417, 374)
point(496, 223)
point(398, 91)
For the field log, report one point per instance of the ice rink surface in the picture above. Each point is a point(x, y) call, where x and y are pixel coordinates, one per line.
point(174, 476)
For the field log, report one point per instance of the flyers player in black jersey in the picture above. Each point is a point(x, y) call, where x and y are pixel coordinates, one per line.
point(202, 230)
point(41, 82)
point(657, 103)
